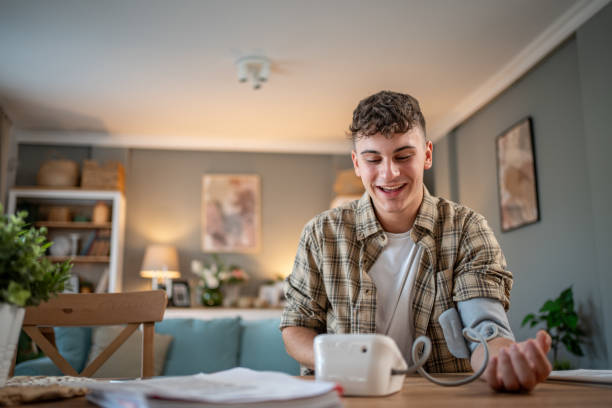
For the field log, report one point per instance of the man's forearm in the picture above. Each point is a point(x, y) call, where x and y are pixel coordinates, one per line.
point(495, 345)
point(299, 342)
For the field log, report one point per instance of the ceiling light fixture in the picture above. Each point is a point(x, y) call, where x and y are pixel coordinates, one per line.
point(257, 68)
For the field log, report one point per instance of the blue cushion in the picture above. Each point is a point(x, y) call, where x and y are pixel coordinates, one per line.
point(262, 347)
point(38, 366)
point(201, 346)
point(73, 343)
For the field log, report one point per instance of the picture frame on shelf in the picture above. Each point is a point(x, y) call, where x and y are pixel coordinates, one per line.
point(73, 284)
point(516, 176)
point(180, 294)
point(272, 294)
point(231, 213)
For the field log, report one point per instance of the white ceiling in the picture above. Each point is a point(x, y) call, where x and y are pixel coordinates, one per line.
point(161, 74)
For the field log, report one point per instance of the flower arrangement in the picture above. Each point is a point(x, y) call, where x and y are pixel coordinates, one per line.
point(215, 274)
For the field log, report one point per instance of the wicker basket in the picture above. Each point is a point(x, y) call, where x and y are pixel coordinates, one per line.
point(58, 173)
point(59, 214)
point(109, 176)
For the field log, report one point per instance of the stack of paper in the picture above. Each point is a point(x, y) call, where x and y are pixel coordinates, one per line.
point(582, 375)
point(238, 387)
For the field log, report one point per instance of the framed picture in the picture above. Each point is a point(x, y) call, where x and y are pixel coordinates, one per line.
point(272, 293)
point(180, 294)
point(516, 176)
point(231, 213)
point(73, 285)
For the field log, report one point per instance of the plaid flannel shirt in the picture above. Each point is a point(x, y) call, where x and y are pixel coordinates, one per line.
point(330, 291)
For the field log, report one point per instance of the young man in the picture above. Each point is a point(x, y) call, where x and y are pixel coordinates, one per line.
point(394, 260)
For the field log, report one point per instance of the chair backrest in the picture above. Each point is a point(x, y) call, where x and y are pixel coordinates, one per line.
point(99, 309)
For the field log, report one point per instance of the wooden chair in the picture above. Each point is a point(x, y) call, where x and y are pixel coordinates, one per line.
point(100, 309)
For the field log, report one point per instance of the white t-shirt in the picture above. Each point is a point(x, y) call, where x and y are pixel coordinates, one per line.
point(394, 273)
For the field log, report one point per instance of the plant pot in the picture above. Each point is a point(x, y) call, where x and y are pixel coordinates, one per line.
point(11, 318)
point(212, 297)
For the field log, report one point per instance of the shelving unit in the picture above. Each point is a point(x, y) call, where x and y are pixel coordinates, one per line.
point(41, 197)
point(72, 225)
point(80, 259)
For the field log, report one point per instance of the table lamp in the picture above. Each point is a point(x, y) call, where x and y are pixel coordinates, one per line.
point(347, 187)
point(161, 262)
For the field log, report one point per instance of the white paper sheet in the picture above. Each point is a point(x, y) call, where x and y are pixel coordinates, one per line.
point(238, 385)
point(582, 375)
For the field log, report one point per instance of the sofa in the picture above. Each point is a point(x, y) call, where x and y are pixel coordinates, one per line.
point(183, 346)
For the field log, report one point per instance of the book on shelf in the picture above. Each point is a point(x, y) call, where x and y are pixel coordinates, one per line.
point(73, 285)
point(87, 242)
point(101, 244)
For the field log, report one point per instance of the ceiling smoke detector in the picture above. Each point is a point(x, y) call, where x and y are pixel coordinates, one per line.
point(255, 68)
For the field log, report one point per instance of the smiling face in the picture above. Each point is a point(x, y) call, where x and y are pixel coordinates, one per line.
point(391, 170)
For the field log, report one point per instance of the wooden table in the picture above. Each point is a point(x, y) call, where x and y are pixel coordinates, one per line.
point(418, 392)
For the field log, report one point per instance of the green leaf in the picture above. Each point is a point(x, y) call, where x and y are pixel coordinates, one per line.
point(553, 320)
point(571, 320)
point(546, 306)
point(571, 344)
point(567, 296)
point(26, 276)
point(527, 319)
point(562, 322)
point(17, 295)
point(550, 306)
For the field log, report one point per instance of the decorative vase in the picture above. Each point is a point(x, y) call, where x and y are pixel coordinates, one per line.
point(212, 297)
point(11, 318)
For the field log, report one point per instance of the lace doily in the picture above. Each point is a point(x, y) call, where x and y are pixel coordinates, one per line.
point(25, 389)
point(43, 380)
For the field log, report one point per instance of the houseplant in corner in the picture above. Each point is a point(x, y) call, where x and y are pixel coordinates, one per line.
point(562, 324)
point(26, 279)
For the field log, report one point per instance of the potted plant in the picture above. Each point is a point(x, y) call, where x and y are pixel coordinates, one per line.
point(26, 279)
point(562, 324)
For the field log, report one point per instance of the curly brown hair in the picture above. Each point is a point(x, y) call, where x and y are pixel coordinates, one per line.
point(387, 113)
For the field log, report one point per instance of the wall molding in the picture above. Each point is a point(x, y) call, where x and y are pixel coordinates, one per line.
point(533, 53)
point(172, 142)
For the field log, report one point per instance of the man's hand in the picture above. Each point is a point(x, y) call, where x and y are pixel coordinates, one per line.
point(515, 366)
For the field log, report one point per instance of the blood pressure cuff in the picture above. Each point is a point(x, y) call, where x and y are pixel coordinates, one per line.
point(479, 314)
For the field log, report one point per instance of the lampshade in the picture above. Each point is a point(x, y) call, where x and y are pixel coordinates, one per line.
point(348, 183)
point(160, 261)
point(348, 187)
